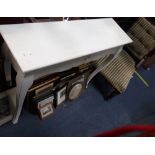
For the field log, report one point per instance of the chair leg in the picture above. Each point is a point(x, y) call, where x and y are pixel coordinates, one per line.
point(142, 79)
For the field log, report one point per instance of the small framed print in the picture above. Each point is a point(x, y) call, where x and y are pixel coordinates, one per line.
point(61, 95)
point(45, 107)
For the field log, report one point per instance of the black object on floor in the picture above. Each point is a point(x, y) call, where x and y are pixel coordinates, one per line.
point(104, 87)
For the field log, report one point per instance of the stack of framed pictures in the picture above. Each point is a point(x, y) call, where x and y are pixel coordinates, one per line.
point(50, 91)
point(40, 97)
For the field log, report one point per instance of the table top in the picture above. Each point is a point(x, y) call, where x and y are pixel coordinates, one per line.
point(37, 45)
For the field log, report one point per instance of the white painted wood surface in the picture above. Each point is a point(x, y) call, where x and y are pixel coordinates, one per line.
point(38, 45)
point(37, 49)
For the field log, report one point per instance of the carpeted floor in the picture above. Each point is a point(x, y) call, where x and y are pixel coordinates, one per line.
point(91, 114)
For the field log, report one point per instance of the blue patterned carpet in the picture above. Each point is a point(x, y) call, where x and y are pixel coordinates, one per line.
point(91, 114)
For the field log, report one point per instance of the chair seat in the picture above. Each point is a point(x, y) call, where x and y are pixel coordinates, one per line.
point(119, 71)
point(143, 35)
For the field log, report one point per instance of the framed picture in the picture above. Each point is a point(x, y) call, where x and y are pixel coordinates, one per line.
point(45, 107)
point(61, 95)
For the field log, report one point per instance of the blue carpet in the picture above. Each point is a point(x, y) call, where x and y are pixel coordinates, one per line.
point(91, 114)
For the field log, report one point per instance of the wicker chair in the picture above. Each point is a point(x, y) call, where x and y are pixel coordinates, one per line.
point(143, 35)
point(119, 72)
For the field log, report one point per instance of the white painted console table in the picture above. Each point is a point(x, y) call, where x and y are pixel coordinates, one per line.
point(38, 49)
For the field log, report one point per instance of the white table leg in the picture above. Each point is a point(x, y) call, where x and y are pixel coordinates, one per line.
point(23, 84)
point(103, 65)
